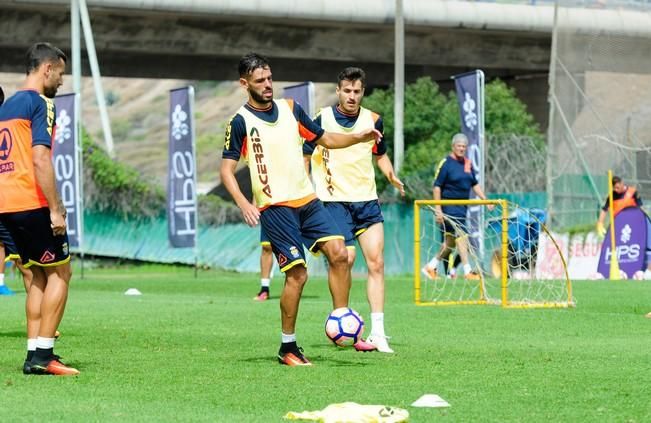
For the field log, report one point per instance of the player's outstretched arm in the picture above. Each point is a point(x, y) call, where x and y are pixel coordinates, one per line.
point(384, 164)
point(250, 213)
point(333, 140)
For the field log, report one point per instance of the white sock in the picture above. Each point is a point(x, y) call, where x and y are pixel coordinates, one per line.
point(467, 269)
point(2, 279)
point(377, 324)
point(433, 263)
point(31, 344)
point(453, 271)
point(265, 282)
point(288, 337)
point(44, 343)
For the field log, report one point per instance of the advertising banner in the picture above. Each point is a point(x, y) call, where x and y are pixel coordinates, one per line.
point(630, 242)
point(182, 182)
point(67, 166)
point(470, 95)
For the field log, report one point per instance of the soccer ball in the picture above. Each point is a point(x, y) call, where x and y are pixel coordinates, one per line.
point(639, 275)
point(344, 326)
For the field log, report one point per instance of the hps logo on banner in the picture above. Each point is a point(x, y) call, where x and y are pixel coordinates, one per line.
point(181, 189)
point(180, 128)
point(469, 112)
point(627, 251)
point(630, 239)
point(65, 158)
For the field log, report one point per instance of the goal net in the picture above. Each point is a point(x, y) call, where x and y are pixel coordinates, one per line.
point(515, 260)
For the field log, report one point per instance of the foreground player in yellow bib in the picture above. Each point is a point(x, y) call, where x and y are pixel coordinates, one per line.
point(345, 182)
point(269, 135)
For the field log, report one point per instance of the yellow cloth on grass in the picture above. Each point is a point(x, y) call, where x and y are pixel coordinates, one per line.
point(351, 412)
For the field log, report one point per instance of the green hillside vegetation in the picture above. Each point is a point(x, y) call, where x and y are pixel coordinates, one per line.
point(117, 187)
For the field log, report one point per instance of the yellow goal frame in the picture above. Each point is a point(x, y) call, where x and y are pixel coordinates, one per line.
point(504, 283)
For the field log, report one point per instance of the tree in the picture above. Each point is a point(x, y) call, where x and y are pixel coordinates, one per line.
point(432, 118)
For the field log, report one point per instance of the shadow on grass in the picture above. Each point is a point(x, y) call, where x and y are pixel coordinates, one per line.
point(308, 297)
point(14, 334)
point(276, 298)
point(315, 359)
point(333, 362)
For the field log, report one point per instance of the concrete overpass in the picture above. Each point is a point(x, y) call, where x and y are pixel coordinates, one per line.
point(305, 40)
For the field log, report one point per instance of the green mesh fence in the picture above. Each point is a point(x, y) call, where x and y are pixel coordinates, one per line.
point(234, 247)
point(575, 202)
point(237, 247)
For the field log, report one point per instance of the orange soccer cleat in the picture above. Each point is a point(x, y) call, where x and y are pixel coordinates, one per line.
point(293, 358)
point(429, 272)
point(52, 367)
point(473, 276)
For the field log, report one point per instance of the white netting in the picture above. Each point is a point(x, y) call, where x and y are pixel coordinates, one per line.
point(600, 91)
point(514, 164)
point(535, 266)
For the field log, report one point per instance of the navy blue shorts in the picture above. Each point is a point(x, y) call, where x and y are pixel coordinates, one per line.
point(11, 252)
point(264, 239)
point(353, 218)
point(455, 226)
point(289, 229)
point(33, 238)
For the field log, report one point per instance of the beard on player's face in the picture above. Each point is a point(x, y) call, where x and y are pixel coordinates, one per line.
point(53, 78)
point(50, 92)
point(261, 97)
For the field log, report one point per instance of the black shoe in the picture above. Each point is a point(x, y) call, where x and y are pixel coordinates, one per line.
point(27, 367)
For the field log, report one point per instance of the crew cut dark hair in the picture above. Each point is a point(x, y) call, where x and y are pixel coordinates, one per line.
point(616, 180)
point(250, 62)
point(352, 74)
point(41, 53)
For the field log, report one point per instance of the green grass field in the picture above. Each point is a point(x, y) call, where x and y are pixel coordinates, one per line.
point(201, 350)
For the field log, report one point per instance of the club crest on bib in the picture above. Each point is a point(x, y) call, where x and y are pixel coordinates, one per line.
point(6, 143)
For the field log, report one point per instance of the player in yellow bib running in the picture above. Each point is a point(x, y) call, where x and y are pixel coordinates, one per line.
point(345, 182)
